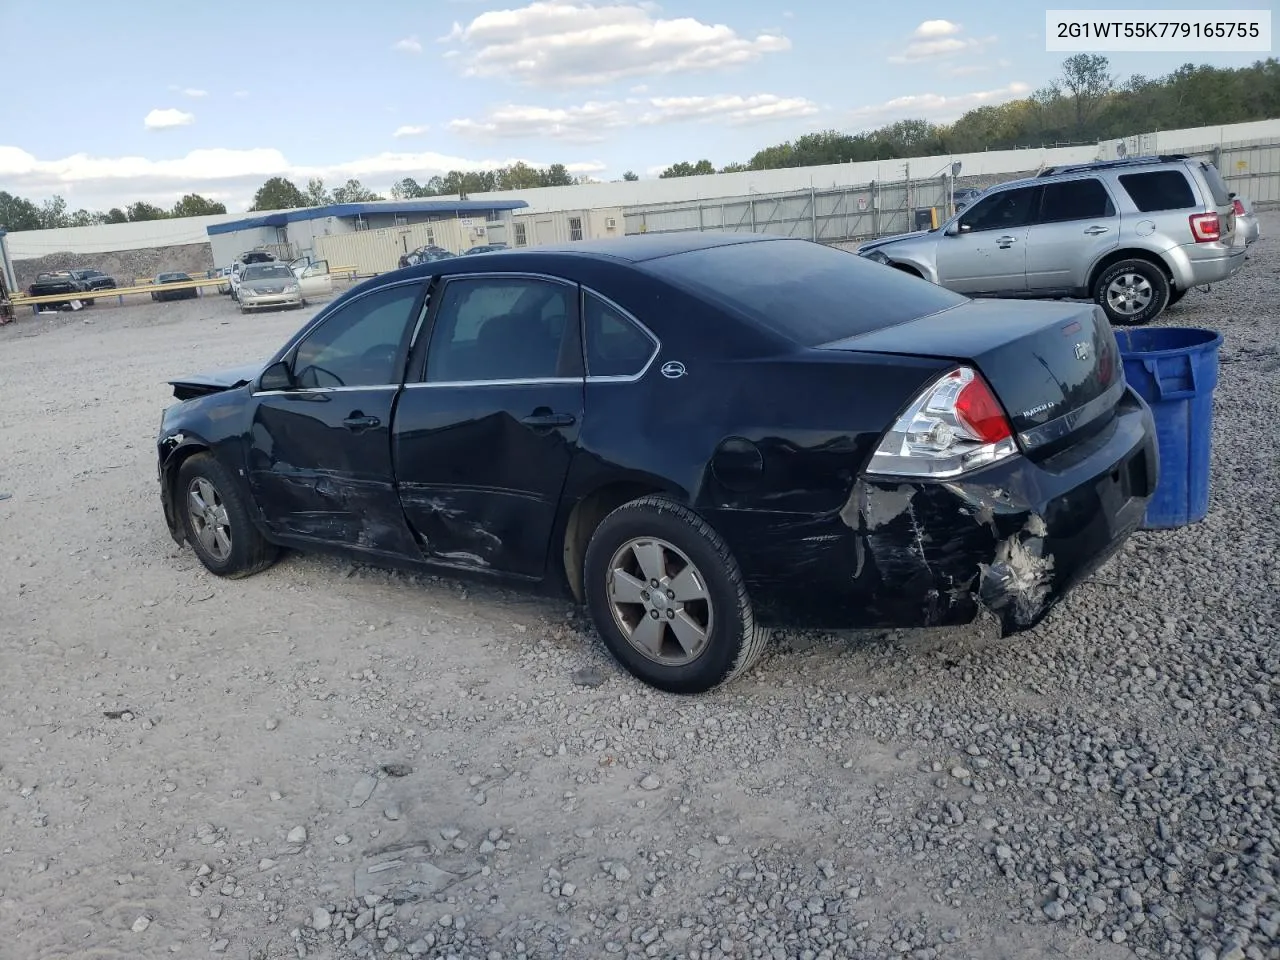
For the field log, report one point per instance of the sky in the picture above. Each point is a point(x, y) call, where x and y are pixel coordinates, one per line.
point(177, 97)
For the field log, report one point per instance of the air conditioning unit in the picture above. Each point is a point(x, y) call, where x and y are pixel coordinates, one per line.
point(611, 224)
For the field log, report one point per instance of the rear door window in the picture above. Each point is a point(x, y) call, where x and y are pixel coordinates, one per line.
point(1075, 200)
point(1159, 190)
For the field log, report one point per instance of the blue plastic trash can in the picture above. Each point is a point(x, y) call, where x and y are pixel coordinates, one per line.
point(1175, 369)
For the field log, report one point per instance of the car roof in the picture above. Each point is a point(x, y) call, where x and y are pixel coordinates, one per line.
point(638, 248)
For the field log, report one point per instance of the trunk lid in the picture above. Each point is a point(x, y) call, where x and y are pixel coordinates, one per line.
point(1054, 366)
point(213, 381)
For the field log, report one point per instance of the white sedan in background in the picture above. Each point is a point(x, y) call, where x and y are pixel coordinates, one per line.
point(280, 285)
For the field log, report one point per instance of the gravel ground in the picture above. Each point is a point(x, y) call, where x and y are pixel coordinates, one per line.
point(329, 760)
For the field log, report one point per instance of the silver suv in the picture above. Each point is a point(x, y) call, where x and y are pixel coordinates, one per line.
point(1134, 235)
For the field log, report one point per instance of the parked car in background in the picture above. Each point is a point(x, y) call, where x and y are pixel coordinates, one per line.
point(485, 248)
point(1246, 219)
point(270, 284)
point(856, 447)
point(187, 293)
point(257, 256)
point(59, 282)
point(964, 197)
point(425, 254)
point(94, 280)
point(1134, 235)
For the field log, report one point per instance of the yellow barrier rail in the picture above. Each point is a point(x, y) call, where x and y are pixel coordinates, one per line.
point(144, 285)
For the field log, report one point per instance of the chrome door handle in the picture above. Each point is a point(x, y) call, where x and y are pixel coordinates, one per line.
point(1094, 231)
point(1005, 242)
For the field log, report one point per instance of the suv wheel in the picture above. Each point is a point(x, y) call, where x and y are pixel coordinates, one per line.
point(1132, 292)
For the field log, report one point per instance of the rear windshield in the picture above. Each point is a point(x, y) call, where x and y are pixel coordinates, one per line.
point(1159, 190)
point(1217, 186)
point(809, 293)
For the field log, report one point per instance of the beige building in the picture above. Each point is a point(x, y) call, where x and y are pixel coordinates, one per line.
point(564, 226)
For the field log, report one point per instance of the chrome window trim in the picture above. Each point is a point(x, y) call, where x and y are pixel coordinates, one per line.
point(380, 387)
point(308, 329)
point(628, 315)
point(492, 383)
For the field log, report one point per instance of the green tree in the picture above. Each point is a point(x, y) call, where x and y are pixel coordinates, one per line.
point(317, 195)
point(146, 211)
point(17, 213)
point(557, 175)
point(407, 189)
point(278, 194)
point(115, 215)
point(630, 175)
point(87, 218)
point(194, 205)
point(53, 214)
point(1087, 76)
point(520, 176)
point(353, 191)
point(686, 169)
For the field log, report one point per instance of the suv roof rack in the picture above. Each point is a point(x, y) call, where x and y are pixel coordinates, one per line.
point(1108, 164)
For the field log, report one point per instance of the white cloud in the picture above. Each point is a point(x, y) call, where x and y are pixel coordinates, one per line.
point(938, 39)
point(193, 92)
point(240, 94)
point(936, 28)
point(410, 44)
point(575, 42)
point(591, 122)
point(935, 106)
point(789, 14)
point(732, 109)
point(583, 124)
point(965, 69)
point(159, 119)
point(102, 182)
point(410, 130)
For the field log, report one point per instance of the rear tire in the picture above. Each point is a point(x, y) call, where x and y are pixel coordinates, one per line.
point(1132, 292)
point(695, 629)
point(1174, 297)
point(216, 521)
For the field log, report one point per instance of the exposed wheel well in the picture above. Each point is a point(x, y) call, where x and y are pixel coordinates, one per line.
point(1119, 255)
point(171, 468)
point(906, 268)
point(583, 520)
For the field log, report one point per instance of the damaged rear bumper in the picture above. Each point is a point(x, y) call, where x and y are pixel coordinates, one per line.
point(1011, 539)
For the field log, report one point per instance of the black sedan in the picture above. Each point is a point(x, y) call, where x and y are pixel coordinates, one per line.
point(427, 254)
point(184, 293)
point(693, 434)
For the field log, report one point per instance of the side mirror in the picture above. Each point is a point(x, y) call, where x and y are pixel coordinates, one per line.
point(953, 228)
point(278, 376)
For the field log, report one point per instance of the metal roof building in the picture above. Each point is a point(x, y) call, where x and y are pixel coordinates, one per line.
point(294, 232)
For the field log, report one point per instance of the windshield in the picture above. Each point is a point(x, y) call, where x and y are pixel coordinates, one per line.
point(267, 271)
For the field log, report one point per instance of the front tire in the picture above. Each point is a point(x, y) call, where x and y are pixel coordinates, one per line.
point(668, 598)
point(1132, 292)
point(217, 522)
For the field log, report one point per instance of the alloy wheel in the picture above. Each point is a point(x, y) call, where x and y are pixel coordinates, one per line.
point(209, 518)
point(1129, 294)
point(660, 601)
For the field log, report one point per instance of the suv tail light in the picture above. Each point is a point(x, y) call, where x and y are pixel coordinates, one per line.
point(954, 426)
point(1239, 207)
point(1206, 227)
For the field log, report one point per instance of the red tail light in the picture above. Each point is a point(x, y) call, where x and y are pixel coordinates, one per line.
point(1239, 207)
point(977, 408)
point(1206, 227)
